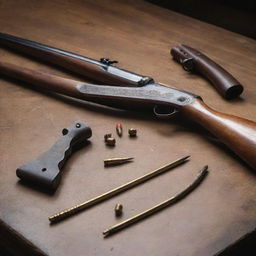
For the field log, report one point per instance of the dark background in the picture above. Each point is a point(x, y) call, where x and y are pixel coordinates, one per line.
point(235, 15)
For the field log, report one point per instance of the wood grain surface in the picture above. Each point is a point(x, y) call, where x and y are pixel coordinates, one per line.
point(139, 35)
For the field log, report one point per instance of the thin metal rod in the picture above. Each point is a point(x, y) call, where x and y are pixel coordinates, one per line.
point(71, 211)
point(201, 175)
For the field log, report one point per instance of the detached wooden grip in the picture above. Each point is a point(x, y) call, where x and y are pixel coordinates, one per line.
point(193, 60)
point(237, 133)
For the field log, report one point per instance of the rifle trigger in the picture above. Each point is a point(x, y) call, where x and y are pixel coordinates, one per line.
point(165, 112)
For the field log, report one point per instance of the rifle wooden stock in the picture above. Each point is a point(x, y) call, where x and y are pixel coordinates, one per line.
point(237, 133)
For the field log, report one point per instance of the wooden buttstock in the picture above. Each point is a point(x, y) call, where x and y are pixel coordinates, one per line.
point(237, 133)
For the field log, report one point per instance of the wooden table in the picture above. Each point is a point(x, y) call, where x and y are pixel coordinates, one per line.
point(139, 35)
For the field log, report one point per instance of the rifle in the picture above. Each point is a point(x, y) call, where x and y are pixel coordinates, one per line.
point(128, 90)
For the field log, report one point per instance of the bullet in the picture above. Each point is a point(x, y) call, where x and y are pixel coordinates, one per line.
point(118, 210)
point(119, 129)
point(111, 142)
point(106, 136)
point(132, 132)
point(117, 161)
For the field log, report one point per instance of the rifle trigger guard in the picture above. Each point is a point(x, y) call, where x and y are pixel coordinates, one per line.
point(165, 112)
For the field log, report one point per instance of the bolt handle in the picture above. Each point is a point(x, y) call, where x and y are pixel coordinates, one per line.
point(45, 170)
